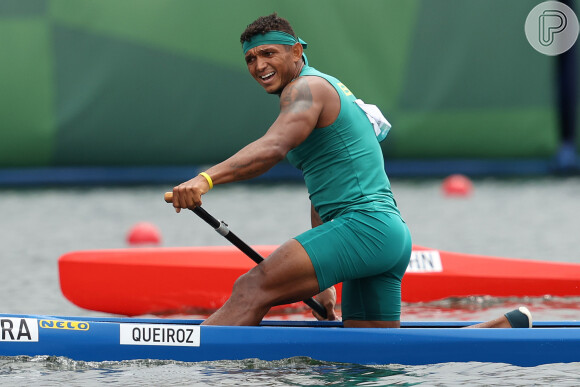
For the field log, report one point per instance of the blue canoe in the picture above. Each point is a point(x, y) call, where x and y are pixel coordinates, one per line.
point(116, 339)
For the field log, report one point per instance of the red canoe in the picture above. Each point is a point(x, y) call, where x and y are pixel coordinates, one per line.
point(155, 280)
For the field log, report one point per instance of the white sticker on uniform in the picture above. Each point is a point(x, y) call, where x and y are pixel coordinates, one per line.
point(18, 329)
point(424, 262)
point(380, 124)
point(160, 334)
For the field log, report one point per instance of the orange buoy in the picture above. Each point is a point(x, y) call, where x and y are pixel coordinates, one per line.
point(457, 185)
point(144, 233)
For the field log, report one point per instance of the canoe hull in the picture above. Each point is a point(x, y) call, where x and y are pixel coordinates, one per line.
point(110, 339)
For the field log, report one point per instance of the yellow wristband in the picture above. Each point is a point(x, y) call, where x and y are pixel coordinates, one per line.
point(208, 179)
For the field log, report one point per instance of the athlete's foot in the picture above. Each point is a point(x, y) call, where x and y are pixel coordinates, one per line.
point(520, 318)
point(517, 318)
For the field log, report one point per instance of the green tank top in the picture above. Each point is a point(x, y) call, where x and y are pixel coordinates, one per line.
point(343, 164)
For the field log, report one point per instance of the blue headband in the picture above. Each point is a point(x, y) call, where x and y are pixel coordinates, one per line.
point(272, 37)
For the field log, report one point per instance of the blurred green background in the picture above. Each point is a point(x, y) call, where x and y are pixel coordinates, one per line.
point(163, 82)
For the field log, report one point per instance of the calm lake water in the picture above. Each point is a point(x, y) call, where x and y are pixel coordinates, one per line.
point(534, 218)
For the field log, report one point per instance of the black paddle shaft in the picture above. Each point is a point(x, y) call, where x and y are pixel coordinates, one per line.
point(222, 229)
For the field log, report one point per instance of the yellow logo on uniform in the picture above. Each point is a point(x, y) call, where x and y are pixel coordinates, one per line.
point(61, 324)
point(345, 89)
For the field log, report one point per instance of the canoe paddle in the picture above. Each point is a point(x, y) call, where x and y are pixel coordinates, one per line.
point(222, 228)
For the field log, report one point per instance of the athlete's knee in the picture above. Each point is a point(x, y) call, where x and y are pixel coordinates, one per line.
point(243, 285)
point(247, 289)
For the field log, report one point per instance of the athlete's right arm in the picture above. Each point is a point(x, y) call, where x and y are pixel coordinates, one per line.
point(300, 109)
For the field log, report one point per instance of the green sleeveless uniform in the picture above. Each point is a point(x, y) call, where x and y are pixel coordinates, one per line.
point(363, 243)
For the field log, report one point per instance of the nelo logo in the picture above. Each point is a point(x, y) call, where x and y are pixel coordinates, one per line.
point(61, 324)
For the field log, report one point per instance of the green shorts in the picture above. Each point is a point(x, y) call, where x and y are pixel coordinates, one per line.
point(368, 252)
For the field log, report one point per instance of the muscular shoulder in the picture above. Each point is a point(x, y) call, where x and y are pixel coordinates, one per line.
point(296, 96)
point(306, 92)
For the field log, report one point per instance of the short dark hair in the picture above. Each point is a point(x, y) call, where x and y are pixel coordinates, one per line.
point(265, 24)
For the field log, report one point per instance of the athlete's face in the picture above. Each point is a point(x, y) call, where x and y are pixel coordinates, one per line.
point(274, 65)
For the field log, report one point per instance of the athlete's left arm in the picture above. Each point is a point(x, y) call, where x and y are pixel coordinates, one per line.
point(315, 220)
point(327, 297)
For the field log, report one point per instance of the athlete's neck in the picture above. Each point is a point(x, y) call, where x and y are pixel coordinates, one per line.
point(296, 75)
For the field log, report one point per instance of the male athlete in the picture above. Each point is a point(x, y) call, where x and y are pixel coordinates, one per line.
point(358, 236)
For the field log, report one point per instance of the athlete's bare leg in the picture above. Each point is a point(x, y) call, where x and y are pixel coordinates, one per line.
point(286, 276)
